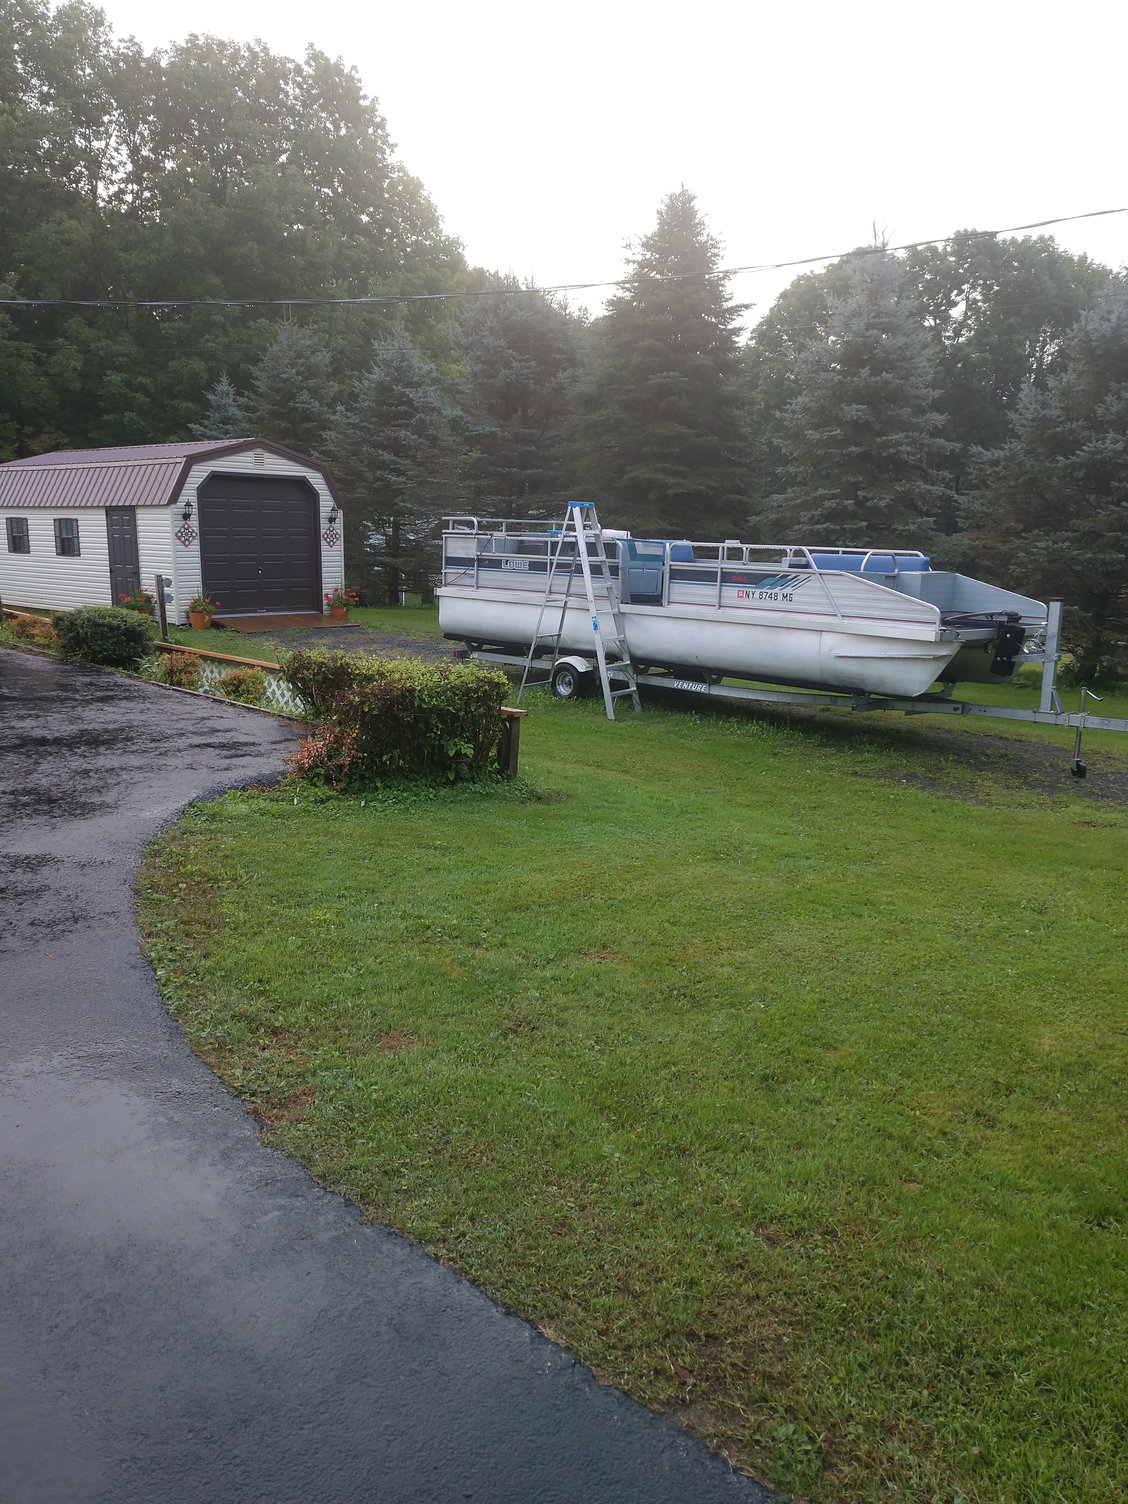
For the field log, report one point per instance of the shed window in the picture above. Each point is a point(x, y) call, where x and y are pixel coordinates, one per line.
point(66, 536)
point(18, 540)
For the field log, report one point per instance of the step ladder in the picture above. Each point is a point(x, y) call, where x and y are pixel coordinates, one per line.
point(612, 657)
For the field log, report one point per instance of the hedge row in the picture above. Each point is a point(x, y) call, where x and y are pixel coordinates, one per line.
point(382, 719)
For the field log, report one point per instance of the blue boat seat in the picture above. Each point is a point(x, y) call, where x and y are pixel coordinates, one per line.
point(681, 553)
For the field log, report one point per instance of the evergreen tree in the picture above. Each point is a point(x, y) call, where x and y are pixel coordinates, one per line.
point(659, 436)
point(520, 357)
point(798, 317)
point(394, 459)
point(294, 388)
point(228, 415)
point(861, 439)
point(996, 311)
point(1050, 508)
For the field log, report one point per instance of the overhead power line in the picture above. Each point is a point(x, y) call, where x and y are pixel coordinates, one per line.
point(501, 292)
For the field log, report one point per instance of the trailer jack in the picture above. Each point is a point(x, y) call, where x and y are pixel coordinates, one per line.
point(1077, 767)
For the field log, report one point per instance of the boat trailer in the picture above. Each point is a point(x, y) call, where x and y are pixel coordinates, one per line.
point(1050, 711)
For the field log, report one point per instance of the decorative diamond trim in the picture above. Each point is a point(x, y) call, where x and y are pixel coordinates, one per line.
point(332, 537)
point(187, 534)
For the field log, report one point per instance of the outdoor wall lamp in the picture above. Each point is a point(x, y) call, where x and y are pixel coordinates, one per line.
point(333, 514)
point(187, 512)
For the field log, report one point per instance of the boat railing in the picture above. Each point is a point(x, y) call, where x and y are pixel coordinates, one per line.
point(504, 535)
point(507, 527)
point(730, 551)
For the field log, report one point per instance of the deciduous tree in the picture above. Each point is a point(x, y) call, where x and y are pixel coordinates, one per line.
point(210, 170)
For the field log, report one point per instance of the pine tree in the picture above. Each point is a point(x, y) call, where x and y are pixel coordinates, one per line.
point(659, 439)
point(227, 416)
point(520, 357)
point(1050, 506)
point(294, 389)
point(394, 458)
point(861, 439)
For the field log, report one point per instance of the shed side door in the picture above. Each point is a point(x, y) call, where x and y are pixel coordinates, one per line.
point(259, 544)
point(125, 570)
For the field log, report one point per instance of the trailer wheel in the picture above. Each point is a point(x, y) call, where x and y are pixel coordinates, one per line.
point(568, 683)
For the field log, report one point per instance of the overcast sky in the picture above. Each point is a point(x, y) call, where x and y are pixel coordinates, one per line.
point(547, 136)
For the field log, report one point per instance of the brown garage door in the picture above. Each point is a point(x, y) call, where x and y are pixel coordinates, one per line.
point(259, 543)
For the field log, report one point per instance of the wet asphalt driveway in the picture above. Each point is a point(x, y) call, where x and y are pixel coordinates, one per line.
point(189, 1317)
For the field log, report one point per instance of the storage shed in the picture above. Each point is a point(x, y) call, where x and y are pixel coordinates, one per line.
point(250, 524)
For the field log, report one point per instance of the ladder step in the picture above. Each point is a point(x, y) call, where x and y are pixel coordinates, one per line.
point(589, 561)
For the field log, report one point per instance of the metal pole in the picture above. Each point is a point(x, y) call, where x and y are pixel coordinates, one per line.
point(162, 612)
point(1053, 654)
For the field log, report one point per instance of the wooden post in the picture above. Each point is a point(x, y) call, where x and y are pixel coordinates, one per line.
point(509, 743)
point(162, 612)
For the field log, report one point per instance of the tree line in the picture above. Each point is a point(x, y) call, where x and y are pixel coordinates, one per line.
point(969, 399)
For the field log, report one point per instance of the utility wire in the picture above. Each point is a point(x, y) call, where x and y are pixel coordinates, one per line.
point(501, 292)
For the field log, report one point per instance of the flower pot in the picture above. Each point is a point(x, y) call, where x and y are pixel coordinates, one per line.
point(198, 621)
point(339, 613)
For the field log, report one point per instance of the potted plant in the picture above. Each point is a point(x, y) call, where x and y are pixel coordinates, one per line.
point(340, 600)
point(143, 603)
point(200, 611)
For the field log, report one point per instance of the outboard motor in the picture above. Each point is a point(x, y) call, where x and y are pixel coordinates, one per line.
point(1008, 645)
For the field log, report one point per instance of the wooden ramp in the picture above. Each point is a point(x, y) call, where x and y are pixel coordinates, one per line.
point(296, 619)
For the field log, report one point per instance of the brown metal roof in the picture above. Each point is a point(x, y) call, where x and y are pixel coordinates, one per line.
point(140, 484)
point(137, 475)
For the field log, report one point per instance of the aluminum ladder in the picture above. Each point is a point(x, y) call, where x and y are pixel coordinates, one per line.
point(612, 657)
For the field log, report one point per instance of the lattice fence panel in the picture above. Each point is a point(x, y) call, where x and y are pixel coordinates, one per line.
point(277, 696)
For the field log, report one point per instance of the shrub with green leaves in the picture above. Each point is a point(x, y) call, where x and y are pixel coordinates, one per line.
point(320, 676)
point(103, 634)
point(397, 719)
point(182, 670)
point(247, 685)
point(1108, 674)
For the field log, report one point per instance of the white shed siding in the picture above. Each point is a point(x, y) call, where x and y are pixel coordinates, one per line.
point(47, 580)
point(44, 579)
point(155, 543)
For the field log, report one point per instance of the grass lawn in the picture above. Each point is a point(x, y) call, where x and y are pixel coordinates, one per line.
point(788, 1093)
point(415, 622)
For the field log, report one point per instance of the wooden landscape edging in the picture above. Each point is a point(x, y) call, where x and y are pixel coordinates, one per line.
point(509, 743)
point(177, 647)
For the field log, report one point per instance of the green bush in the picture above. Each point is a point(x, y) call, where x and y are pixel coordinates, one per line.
point(438, 720)
point(183, 670)
point(103, 634)
point(247, 685)
point(320, 676)
point(1106, 675)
